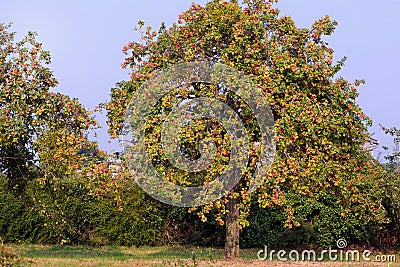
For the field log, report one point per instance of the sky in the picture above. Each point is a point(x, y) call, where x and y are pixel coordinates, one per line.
point(85, 39)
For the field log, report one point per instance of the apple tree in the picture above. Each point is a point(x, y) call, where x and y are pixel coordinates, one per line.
point(319, 128)
point(32, 115)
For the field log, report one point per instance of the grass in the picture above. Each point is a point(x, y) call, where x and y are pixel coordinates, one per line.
point(69, 256)
point(115, 256)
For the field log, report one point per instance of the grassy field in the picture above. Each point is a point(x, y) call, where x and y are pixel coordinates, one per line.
point(68, 256)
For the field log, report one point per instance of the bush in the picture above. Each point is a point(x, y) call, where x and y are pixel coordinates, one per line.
point(18, 222)
point(265, 228)
point(139, 223)
point(388, 235)
point(72, 214)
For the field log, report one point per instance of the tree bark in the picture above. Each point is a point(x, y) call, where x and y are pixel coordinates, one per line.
point(232, 230)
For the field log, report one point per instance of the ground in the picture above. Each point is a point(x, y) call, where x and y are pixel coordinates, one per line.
point(69, 256)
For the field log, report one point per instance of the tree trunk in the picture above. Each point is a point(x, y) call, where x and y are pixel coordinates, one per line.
point(232, 230)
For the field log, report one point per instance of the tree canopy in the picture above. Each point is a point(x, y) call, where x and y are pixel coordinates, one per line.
point(38, 128)
point(319, 127)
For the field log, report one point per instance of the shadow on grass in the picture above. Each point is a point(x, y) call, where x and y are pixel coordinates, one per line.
point(117, 253)
point(74, 252)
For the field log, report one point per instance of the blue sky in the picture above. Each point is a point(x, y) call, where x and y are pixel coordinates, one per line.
point(85, 39)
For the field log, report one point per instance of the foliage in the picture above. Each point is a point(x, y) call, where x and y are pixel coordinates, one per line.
point(388, 235)
point(9, 258)
point(39, 129)
point(140, 223)
point(45, 155)
point(73, 214)
point(58, 187)
point(320, 129)
point(19, 223)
